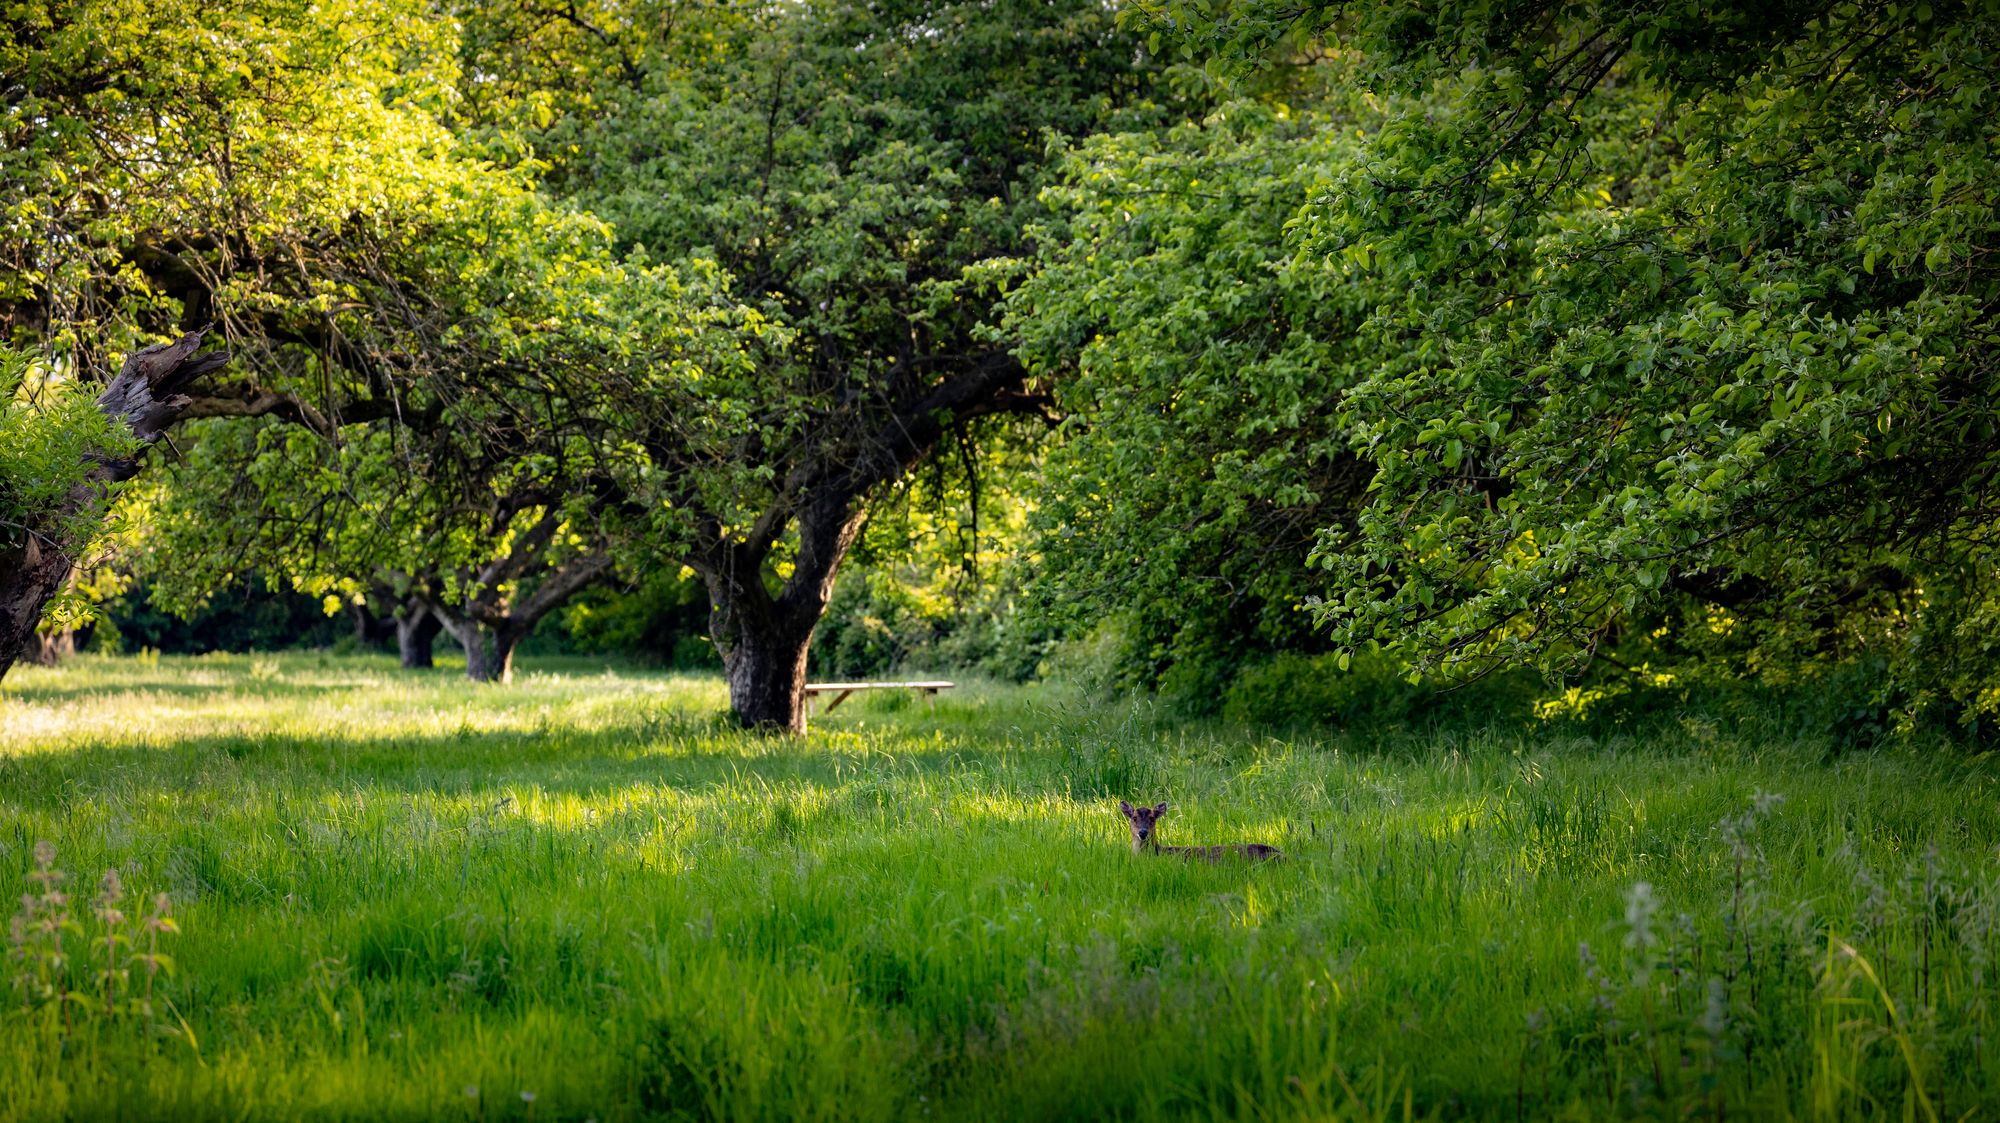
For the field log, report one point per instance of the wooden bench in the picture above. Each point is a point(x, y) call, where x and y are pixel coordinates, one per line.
point(840, 690)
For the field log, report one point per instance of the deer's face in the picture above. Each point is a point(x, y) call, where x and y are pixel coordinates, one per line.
point(1143, 820)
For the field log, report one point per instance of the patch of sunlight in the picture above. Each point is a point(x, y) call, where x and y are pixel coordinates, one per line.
point(21, 724)
point(1440, 816)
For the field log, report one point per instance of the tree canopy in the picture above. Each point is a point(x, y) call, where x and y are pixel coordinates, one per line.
point(434, 356)
point(1670, 339)
point(688, 286)
point(856, 171)
point(1499, 333)
point(1199, 358)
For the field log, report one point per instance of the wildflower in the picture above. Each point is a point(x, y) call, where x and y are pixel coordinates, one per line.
point(527, 1097)
point(1715, 1014)
point(161, 919)
point(109, 892)
point(1640, 905)
point(471, 1091)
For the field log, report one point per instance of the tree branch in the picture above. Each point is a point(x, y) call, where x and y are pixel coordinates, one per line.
point(559, 586)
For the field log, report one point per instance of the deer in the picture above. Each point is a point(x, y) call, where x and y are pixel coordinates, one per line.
point(1146, 820)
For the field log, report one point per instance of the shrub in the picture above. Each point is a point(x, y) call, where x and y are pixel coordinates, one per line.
point(1373, 691)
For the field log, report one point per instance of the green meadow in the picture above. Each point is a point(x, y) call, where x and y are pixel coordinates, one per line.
point(401, 895)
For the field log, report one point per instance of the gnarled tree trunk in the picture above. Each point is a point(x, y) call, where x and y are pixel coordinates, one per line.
point(764, 640)
point(490, 625)
point(36, 560)
point(30, 573)
point(764, 637)
point(489, 644)
point(767, 680)
point(763, 655)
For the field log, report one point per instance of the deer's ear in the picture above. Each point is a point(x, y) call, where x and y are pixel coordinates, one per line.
point(1126, 808)
point(1160, 810)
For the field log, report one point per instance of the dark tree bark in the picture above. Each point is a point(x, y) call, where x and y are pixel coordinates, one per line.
point(489, 626)
point(489, 645)
point(764, 638)
point(29, 575)
point(417, 628)
point(767, 678)
point(147, 396)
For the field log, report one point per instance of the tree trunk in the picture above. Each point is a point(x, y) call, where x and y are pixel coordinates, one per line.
point(146, 396)
point(29, 576)
point(489, 657)
point(51, 648)
point(489, 647)
point(489, 627)
point(766, 668)
point(416, 631)
point(764, 640)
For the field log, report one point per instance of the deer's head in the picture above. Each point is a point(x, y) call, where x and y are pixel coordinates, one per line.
point(1143, 820)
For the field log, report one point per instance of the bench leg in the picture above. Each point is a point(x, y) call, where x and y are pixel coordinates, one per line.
point(837, 700)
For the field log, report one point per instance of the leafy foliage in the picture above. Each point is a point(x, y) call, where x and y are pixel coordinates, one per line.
point(1652, 341)
point(937, 578)
point(1679, 332)
point(858, 172)
point(1201, 356)
point(250, 617)
point(270, 153)
point(50, 428)
point(846, 166)
point(445, 368)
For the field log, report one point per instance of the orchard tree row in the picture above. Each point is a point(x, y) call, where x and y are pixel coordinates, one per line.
point(1655, 339)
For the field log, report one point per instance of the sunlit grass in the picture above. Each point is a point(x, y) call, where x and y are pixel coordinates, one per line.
point(587, 887)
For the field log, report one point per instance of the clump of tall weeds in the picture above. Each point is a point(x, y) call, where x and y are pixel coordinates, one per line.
point(83, 970)
point(1897, 994)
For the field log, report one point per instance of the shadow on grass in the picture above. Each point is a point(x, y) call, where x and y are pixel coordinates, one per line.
point(34, 693)
point(684, 752)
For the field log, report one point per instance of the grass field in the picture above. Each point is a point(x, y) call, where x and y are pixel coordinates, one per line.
point(585, 896)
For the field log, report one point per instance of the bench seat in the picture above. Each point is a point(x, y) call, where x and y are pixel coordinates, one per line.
point(840, 690)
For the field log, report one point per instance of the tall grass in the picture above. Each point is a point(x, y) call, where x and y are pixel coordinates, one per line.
point(585, 896)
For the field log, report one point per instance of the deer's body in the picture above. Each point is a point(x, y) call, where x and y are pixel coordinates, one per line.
point(1145, 840)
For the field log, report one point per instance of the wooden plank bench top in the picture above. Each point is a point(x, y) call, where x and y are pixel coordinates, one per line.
point(840, 690)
